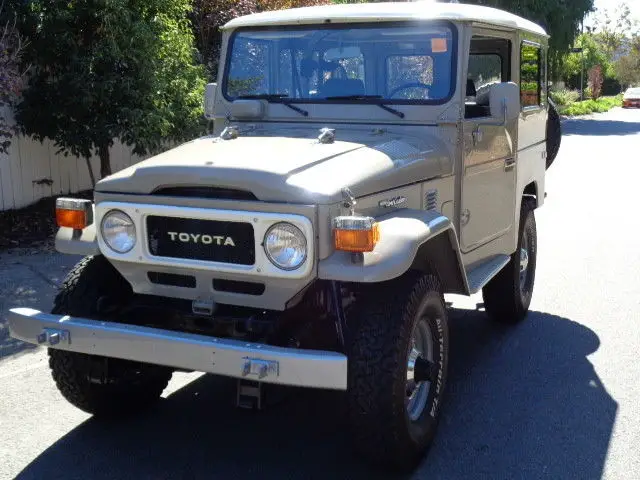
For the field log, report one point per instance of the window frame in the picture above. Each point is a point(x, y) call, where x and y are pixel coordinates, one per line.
point(541, 103)
point(329, 26)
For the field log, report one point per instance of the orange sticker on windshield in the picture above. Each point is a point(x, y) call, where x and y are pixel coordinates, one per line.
point(438, 45)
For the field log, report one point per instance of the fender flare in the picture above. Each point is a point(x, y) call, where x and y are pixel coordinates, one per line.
point(409, 239)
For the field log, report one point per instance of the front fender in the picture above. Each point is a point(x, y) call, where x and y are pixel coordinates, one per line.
point(408, 239)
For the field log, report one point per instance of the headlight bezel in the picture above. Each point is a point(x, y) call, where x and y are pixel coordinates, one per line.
point(302, 236)
point(105, 238)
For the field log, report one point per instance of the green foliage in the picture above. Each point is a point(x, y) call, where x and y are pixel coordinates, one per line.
point(627, 69)
point(106, 69)
point(603, 104)
point(564, 97)
point(593, 54)
point(561, 19)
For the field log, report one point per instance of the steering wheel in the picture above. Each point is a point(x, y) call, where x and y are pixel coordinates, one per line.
point(409, 85)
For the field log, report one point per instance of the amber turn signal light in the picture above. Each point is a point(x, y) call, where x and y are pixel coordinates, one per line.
point(74, 213)
point(355, 234)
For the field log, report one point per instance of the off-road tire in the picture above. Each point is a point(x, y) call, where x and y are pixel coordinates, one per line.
point(504, 300)
point(100, 385)
point(554, 134)
point(381, 429)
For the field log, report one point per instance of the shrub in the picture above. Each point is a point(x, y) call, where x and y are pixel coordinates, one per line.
point(564, 97)
point(601, 105)
point(596, 79)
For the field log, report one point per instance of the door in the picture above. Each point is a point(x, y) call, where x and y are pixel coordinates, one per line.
point(489, 158)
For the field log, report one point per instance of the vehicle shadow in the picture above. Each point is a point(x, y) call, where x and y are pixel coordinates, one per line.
point(596, 127)
point(522, 402)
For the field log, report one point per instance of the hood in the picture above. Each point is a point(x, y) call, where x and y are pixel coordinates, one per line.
point(290, 168)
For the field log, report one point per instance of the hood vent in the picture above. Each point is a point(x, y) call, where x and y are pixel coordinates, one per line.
point(206, 192)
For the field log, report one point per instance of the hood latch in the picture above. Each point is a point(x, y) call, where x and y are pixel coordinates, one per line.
point(230, 133)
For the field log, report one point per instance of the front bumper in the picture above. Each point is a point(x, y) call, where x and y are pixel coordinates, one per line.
point(232, 358)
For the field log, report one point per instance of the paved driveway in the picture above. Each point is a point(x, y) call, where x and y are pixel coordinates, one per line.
point(555, 397)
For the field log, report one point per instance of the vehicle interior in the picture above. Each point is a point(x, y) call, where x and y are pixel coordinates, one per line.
point(488, 64)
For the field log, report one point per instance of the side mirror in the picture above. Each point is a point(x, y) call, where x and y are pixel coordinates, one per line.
point(210, 100)
point(504, 102)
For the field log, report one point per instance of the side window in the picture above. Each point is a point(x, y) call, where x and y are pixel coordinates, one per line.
point(484, 68)
point(530, 75)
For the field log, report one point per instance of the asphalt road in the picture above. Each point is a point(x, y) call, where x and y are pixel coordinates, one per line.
point(554, 397)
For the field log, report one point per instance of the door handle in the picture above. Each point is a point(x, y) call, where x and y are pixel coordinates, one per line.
point(509, 164)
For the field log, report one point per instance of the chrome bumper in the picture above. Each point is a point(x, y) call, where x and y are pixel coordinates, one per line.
point(233, 358)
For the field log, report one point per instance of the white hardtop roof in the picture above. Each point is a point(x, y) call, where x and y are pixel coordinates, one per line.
point(372, 12)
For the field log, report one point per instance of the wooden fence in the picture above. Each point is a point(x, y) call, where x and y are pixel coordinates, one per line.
point(32, 170)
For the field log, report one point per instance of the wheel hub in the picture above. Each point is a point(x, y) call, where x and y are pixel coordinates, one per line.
point(420, 370)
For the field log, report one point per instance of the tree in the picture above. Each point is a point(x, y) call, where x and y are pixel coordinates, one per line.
point(561, 19)
point(209, 15)
point(110, 69)
point(10, 77)
point(592, 54)
point(612, 31)
point(628, 70)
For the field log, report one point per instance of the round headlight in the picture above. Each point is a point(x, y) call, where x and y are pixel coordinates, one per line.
point(118, 231)
point(286, 246)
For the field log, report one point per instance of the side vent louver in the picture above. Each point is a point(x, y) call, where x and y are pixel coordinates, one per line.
point(431, 200)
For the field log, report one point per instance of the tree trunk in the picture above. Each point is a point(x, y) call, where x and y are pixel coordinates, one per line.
point(105, 160)
point(91, 175)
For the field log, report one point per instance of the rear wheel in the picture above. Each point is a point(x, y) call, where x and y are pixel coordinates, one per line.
point(397, 370)
point(101, 385)
point(508, 295)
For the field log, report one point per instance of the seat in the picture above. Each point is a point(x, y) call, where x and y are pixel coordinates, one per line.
point(471, 88)
point(473, 110)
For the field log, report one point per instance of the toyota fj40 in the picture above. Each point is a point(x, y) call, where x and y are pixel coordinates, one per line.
point(365, 160)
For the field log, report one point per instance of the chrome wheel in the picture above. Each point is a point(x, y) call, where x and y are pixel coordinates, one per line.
point(524, 264)
point(419, 368)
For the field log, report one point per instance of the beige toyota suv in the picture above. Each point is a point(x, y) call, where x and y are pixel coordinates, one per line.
point(365, 160)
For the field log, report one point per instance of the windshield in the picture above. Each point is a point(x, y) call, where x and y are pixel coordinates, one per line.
point(633, 91)
point(381, 63)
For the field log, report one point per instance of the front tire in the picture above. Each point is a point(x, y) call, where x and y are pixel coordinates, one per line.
point(100, 385)
point(508, 295)
point(397, 370)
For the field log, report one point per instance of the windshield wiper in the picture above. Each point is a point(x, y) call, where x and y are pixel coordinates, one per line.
point(368, 97)
point(280, 97)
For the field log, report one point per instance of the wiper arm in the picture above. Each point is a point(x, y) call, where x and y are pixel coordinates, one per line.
point(263, 96)
point(280, 97)
point(368, 97)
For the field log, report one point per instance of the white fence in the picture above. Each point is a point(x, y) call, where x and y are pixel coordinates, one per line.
point(32, 170)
